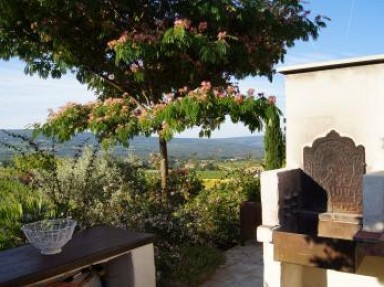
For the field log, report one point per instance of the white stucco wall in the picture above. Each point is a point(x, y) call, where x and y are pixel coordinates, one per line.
point(346, 96)
point(347, 99)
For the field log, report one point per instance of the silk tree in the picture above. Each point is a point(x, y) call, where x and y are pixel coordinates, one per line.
point(167, 64)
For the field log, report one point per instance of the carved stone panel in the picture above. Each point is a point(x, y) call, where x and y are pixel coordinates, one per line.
point(338, 166)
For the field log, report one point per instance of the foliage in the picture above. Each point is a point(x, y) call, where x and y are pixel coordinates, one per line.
point(143, 58)
point(96, 188)
point(249, 183)
point(146, 48)
point(214, 213)
point(19, 204)
point(92, 188)
point(119, 119)
point(183, 183)
point(195, 264)
point(274, 144)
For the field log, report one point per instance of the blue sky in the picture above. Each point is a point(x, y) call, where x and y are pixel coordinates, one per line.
point(354, 31)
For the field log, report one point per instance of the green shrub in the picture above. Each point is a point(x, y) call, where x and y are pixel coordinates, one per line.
point(194, 265)
point(214, 214)
point(19, 204)
point(93, 189)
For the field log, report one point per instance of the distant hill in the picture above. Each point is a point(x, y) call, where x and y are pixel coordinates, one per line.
point(198, 148)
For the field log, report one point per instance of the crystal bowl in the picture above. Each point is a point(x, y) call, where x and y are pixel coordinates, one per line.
point(49, 235)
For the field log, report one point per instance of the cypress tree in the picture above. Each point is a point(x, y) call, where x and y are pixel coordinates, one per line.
point(274, 144)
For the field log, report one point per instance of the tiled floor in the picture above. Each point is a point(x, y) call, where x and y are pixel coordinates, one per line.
point(243, 268)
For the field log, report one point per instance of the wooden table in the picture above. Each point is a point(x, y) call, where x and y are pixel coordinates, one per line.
point(25, 265)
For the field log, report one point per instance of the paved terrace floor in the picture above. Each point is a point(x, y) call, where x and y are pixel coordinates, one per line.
point(243, 268)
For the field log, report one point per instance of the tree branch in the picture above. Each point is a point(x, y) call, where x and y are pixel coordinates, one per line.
point(115, 85)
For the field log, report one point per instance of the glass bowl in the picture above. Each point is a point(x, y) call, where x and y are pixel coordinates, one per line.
point(49, 235)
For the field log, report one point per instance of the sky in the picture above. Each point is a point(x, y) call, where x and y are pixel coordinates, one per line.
point(353, 31)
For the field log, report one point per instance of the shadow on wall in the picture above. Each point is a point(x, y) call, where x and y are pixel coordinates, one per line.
point(333, 254)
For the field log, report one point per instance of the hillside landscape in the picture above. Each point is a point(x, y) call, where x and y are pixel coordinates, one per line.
point(142, 147)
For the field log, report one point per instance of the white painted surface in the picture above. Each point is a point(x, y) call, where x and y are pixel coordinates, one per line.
point(272, 269)
point(348, 98)
point(134, 269)
point(144, 266)
point(367, 60)
point(270, 196)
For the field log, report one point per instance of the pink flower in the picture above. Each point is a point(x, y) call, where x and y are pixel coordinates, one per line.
point(231, 89)
point(123, 38)
point(134, 68)
point(222, 35)
point(179, 23)
point(187, 24)
point(182, 23)
point(169, 97)
point(272, 100)
point(239, 98)
point(206, 85)
point(183, 90)
point(202, 26)
point(111, 44)
point(251, 92)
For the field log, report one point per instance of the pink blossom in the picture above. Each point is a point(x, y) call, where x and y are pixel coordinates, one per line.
point(134, 68)
point(221, 35)
point(182, 23)
point(219, 93)
point(187, 23)
point(206, 85)
point(112, 44)
point(123, 38)
point(169, 97)
point(251, 92)
point(108, 101)
point(179, 23)
point(239, 98)
point(203, 26)
point(272, 100)
point(183, 90)
point(231, 89)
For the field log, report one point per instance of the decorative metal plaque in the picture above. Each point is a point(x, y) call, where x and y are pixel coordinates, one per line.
point(338, 166)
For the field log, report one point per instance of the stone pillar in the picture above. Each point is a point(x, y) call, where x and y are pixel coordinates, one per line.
point(270, 219)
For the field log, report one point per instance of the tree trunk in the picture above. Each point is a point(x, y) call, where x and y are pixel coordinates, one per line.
point(163, 166)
